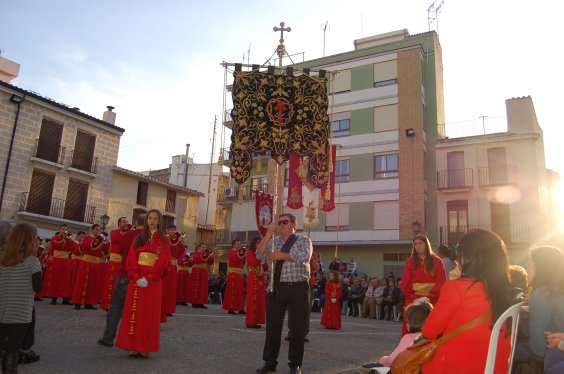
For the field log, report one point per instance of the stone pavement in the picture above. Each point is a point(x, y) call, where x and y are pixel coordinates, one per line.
point(200, 341)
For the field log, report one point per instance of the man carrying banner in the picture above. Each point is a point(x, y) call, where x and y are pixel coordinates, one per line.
point(291, 291)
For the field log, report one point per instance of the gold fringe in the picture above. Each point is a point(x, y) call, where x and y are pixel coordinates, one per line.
point(259, 165)
point(336, 251)
point(301, 170)
point(220, 160)
point(240, 196)
point(328, 194)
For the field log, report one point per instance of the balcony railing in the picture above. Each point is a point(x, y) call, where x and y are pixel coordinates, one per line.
point(457, 178)
point(475, 127)
point(497, 175)
point(170, 206)
point(227, 116)
point(511, 233)
point(84, 161)
point(49, 151)
point(226, 153)
point(53, 207)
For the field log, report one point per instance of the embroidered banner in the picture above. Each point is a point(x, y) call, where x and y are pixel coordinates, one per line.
point(311, 205)
point(329, 204)
point(280, 114)
point(263, 211)
point(295, 182)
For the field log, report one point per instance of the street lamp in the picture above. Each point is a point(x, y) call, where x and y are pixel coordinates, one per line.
point(415, 226)
point(104, 219)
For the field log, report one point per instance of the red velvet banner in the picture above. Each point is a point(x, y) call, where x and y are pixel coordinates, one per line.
point(263, 210)
point(329, 205)
point(294, 183)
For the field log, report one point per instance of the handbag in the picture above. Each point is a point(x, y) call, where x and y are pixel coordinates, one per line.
point(411, 360)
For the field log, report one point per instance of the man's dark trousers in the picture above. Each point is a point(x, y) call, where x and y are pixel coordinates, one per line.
point(294, 297)
point(116, 309)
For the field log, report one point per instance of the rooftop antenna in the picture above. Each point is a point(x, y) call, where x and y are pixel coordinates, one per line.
point(433, 13)
point(248, 55)
point(324, 28)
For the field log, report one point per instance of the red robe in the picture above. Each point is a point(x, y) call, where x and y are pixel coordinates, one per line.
point(416, 283)
point(256, 291)
point(234, 298)
point(76, 258)
point(198, 291)
point(462, 301)
point(184, 264)
point(89, 276)
point(139, 329)
point(111, 273)
point(170, 281)
point(331, 316)
point(58, 273)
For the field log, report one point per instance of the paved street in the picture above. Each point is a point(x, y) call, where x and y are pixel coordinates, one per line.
point(200, 341)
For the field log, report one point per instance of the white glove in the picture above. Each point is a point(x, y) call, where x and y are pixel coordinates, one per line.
point(333, 300)
point(142, 282)
point(423, 299)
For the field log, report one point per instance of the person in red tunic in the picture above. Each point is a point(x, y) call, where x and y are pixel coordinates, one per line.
point(58, 273)
point(184, 264)
point(170, 281)
point(76, 256)
point(146, 263)
point(89, 276)
point(483, 287)
point(234, 298)
point(198, 291)
point(256, 291)
point(331, 316)
point(423, 275)
point(111, 273)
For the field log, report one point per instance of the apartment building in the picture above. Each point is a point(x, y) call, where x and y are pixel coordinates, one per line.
point(387, 98)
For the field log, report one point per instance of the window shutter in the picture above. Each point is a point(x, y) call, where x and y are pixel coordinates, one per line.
point(75, 205)
point(40, 193)
point(49, 141)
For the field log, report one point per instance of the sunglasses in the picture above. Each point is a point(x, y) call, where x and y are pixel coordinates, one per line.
point(283, 222)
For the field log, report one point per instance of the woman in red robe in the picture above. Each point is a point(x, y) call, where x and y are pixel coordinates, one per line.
point(234, 298)
point(423, 274)
point(198, 291)
point(256, 283)
point(331, 316)
point(183, 279)
point(139, 330)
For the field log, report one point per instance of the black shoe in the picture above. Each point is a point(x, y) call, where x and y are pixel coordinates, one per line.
point(54, 301)
point(253, 326)
point(28, 357)
point(231, 312)
point(295, 370)
point(66, 301)
point(266, 369)
point(104, 343)
point(37, 299)
point(183, 304)
point(77, 306)
point(306, 340)
point(203, 306)
point(169, 314)
point(90, 307)
point(241, 312)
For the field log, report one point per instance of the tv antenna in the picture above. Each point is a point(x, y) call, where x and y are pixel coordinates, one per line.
point(433, 13)
point(324, 28)
point(248, 55)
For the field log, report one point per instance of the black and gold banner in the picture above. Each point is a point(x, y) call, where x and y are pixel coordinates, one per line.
point(280, 114)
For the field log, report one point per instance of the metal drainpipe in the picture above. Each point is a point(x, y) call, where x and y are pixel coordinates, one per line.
point(10, 152)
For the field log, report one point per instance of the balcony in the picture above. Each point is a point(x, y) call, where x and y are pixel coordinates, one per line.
point(49, 152)
point(231, 194)
point(498, 175)
point(511, 233)
point(53, 207)
point(455, 179)
point(84, 161)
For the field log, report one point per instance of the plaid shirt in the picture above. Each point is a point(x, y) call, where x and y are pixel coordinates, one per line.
point(297, 270)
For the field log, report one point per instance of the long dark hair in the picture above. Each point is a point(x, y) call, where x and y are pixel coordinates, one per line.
point(429, 254)
point(253, 243)
point(145, 235)
point(548, 262)
point(484, 259)
point(21, 244)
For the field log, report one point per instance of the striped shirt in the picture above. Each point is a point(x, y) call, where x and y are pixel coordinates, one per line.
point(16, 291)
point(298, 269)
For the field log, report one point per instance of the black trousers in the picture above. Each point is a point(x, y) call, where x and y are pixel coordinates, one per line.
point(12, 336)
point(308, 314)
point(293, 297)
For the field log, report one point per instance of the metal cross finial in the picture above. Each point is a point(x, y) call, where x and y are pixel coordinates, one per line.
point(281, 29)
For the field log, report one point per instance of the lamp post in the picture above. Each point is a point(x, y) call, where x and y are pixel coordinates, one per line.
point(104, 219)
point(415, 226)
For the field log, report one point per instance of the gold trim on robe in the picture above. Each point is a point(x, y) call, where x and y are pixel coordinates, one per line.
point(57, 253)
point(147, 258)
point(116, 257)
point(422, 289)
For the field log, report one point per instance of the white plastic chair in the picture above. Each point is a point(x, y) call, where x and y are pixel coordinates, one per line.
point(513, 313)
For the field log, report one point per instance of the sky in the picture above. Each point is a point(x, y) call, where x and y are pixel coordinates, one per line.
point(158, 63)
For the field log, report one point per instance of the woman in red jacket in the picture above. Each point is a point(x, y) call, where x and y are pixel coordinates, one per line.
point(423, 274)
point(331, 316)
point(483, 287)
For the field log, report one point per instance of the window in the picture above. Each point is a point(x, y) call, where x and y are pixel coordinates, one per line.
point(75, 205)
point(386, 118)
point(137, 213)
point(49, 142)
point(457, 215)
point(342, 81)
point(387, 82)
point(170, 205)
point(39, 199)
point(338, 218)
point(83, 154)
point(259, 184)
point(341, 127)
point(142, 188)
point(386, 166)
point(342, 171)
point(386, 215)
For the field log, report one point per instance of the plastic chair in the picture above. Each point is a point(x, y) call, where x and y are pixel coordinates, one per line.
point(314, 301)
point(513, 313)
point(397, 312)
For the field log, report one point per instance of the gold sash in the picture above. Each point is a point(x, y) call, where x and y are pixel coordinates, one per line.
point(201, 266)
point(182, 267)
point(423, 289)
point(76, 257)
point(58, 253)
point(147, 258)
point(235, 270)
point(92, 259)
point(174, 261)
point(116, 257)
